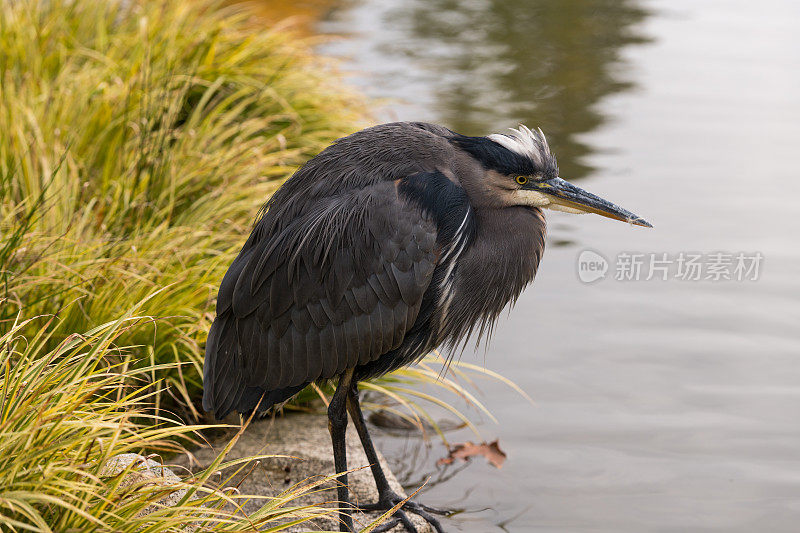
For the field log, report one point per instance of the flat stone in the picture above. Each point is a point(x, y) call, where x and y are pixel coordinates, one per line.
point(305, 439)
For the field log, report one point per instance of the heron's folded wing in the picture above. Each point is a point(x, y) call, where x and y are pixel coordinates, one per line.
point(339, 286)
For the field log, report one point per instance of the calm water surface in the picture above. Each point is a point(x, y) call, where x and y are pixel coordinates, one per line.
point(662, 405)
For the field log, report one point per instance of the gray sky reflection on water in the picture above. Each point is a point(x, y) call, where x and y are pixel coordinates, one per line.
point(660, 405)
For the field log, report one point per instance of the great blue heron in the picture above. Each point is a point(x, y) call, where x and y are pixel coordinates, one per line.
point(392, 241)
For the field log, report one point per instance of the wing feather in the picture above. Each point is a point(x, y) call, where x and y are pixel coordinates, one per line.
point(330, 360)
point(337, 286)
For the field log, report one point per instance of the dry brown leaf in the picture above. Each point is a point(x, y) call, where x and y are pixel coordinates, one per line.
point(491, 451)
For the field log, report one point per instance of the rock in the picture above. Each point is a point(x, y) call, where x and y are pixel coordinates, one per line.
point(306, 439)
point(144, 470)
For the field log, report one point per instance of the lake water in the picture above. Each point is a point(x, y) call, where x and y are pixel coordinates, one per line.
point(659, 405)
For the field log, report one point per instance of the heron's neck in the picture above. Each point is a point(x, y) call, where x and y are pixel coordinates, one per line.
point(501, 260)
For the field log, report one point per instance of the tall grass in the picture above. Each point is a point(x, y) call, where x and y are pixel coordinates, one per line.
point(64, 412)
point(138, 138)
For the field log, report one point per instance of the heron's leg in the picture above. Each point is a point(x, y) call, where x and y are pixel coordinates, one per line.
point(337, 425)
point(387, 498)
point(354, 406)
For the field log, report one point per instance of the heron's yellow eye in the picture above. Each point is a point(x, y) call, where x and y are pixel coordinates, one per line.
point(522, 180)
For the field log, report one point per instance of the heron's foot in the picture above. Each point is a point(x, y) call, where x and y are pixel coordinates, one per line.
point(390, 499)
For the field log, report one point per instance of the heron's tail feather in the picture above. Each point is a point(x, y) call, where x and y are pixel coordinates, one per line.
point(224, 384)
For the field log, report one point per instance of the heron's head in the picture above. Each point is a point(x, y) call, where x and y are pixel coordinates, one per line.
point(521, 170)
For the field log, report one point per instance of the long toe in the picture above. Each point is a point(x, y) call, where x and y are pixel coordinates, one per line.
point(400, 516)
point(387, 526)
point(430, 509)
point(428, 518)
point(410, 505)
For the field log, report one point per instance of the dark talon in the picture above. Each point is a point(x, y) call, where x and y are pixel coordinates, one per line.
point(373, 507)
point(386, 526)
point(406, 521)
point(433, 510)
point(388, 501)
point(400, 517)
point(431, 520)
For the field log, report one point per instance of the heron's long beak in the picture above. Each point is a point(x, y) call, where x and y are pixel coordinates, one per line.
point(564, 196)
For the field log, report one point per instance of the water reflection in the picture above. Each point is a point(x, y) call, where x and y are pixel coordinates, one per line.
point(538, 62)
point(490, 64)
